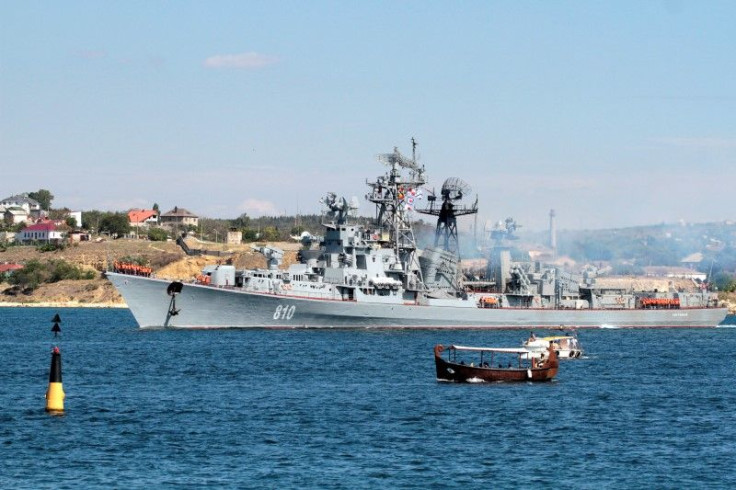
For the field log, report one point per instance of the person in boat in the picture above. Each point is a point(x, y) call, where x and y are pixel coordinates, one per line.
point(532, 337)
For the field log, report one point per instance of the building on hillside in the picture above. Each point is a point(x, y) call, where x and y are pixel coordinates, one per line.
point(7, 236)
point(77, 215)
point(15, 215)
point(44, 231)
point(79, 236)
point(674, 272)
point(179, 217)
point(143, 217)
point(32, 207)
point(234, 236)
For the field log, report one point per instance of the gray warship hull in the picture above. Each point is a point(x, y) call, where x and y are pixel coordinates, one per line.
point(205, 306)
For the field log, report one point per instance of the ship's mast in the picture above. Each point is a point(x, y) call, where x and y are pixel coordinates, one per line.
point(390, 193)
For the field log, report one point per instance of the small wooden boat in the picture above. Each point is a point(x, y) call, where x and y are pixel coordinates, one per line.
point(493, 364)
point(566, 346)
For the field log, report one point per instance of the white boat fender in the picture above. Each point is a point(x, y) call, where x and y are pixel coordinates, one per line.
point(529, 373)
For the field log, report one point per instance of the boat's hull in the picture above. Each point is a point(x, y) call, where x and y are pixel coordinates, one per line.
point(207, 306)
point(458, 373)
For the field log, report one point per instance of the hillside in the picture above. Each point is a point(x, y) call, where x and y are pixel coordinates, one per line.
point(166, 258)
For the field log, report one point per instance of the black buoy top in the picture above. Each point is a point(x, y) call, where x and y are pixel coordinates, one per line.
point(55, 373)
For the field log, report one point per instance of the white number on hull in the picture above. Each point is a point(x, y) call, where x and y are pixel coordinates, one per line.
point(284, 312)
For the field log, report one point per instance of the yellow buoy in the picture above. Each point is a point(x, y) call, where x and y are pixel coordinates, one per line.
point(55, 393)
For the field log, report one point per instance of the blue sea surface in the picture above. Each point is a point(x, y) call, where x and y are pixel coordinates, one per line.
point(356, 409)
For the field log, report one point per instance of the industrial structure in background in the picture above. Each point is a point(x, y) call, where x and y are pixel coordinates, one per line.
point(553, 233)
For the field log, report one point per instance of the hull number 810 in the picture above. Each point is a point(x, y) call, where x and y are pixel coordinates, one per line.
point(284, 312)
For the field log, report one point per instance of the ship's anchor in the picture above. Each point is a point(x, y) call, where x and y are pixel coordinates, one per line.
point(172, 290)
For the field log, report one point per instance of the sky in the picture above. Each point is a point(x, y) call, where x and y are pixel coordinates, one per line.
point(615, 114)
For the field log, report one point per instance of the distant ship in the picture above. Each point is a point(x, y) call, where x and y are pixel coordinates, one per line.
point(371, 274)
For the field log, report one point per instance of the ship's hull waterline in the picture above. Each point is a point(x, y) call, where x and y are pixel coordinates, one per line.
point(201, 306)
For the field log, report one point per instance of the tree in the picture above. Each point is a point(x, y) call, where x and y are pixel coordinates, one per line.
point(59, 214)
point(155, 207)
point(71, 221)
point(44, 198)
point(724, 281)
point(270, 234)
point(32, 275)
point(250, 235)
point(213, 229)
point(116, 224)
point(91, 220)
point(242, 221)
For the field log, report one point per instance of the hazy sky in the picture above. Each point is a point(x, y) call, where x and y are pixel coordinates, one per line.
point(614, 113)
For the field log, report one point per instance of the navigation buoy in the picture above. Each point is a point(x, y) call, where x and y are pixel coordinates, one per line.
point(55, 393)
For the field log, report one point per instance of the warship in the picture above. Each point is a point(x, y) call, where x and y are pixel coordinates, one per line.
point(370, 273)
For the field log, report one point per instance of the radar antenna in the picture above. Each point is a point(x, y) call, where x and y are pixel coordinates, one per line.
point(338, 208)
point(396, 158)
point(452, 193)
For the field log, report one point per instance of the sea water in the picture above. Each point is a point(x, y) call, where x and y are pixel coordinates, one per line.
point(356, 409)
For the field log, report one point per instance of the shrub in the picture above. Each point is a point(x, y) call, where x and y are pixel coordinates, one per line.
point(50, 247)
point(158, 235)
point(35, 273)
point(134, 259)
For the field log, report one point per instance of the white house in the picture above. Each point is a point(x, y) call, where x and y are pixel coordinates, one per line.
point(40, 232)
point(32, 207)
point(77, 215)
point(15, 215)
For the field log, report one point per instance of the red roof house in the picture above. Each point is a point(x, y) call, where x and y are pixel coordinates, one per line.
point(143, 216)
